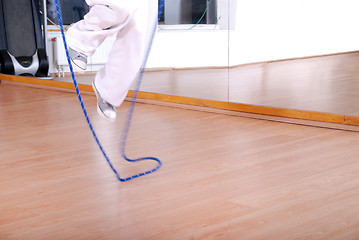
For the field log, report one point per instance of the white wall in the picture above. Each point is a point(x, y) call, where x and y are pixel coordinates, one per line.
point(280, 29)
point(264, 30)
point(182, 49)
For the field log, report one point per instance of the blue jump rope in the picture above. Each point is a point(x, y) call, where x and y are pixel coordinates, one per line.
point(132, 106)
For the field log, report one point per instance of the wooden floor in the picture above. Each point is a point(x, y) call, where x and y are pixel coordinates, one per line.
point(223, 177)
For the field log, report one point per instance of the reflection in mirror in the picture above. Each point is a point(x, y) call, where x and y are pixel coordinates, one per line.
point(194, 12)
point(189, 55)
point(296, 54)
point(72, 11)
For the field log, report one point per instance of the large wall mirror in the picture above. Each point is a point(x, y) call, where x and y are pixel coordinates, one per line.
point(286, 54)
point(299, 54)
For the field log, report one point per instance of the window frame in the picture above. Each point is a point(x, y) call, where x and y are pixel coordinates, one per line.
point(194, 26)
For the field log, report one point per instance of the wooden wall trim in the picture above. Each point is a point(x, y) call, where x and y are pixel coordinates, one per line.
point(238, 107)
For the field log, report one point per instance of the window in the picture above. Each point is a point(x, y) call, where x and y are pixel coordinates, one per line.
point(189, 12)
point(71, 10)
point(176, 12)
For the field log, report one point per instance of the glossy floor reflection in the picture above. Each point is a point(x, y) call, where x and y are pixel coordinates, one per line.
point(326, 84)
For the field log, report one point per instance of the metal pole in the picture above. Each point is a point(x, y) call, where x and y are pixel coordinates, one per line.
point(44, 14)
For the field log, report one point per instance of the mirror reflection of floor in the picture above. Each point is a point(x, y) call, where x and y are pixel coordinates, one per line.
point(328, 84)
